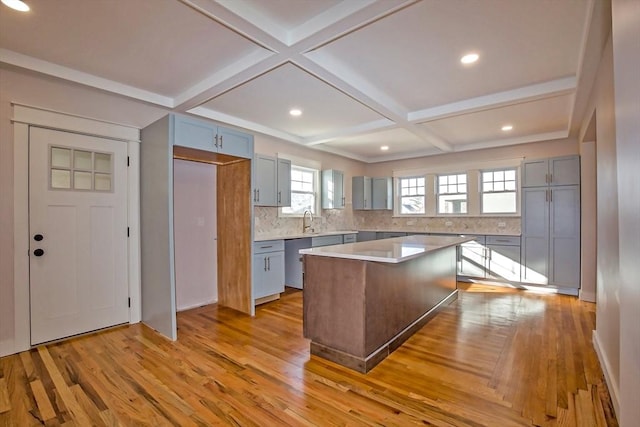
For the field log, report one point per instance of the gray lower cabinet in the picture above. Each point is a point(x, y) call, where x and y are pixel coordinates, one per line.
point(472, 258)
point(365, 236)
point(349, 238)
point(503, 258)
point(551, 236)
point(268, 268)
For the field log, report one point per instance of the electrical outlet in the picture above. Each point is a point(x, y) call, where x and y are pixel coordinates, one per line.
point(502, 224)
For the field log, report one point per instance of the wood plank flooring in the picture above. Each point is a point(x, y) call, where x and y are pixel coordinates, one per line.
point(495, 357)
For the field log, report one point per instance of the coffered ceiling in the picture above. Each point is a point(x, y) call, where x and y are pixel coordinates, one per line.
point(365, 73)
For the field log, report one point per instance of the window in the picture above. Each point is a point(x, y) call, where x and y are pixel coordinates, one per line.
point(452, 194)
point(72, 169)
point(499, 191)
point(412, 195)
point(304, 185)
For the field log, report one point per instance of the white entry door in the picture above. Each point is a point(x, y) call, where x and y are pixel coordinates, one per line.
point(78, 234)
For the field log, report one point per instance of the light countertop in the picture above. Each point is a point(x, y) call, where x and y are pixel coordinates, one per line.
point(395, 250)
point(302, 235)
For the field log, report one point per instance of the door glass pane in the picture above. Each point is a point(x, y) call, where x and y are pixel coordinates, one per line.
point(82, 160)
point(103, 162)
point(102, 182)
point(60, 178)
point(60, 157)
point(82, 180)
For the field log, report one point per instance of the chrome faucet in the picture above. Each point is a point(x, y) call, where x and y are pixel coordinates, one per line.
point(307, 227)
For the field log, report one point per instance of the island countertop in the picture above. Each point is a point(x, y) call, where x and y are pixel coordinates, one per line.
point(394, 250)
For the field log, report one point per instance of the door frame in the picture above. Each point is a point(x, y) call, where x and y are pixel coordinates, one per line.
point(23, 117)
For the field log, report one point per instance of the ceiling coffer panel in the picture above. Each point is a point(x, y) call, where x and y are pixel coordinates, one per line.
point(267, 100)
point(162, 46)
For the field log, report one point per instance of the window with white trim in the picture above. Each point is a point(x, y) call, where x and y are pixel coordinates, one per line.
point(412, 195)
point(304, 190)
point(452, 193)
point(499, 191)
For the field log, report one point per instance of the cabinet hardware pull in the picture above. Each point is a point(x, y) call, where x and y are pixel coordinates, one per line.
point(550, 196)
point(221, 141)
point(546, 195)
point(269, 263)
point(266, 247)
point(343, 201)
point(279, 197)
point(265, 263)
point(216, 141)
point(502, 240)
point(550, 178)
point(258, 190)
point(254, 195)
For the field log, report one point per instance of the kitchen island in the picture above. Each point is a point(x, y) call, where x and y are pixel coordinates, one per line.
point(363, 300)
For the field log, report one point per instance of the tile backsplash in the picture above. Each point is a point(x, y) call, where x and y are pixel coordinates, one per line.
point(268, 223)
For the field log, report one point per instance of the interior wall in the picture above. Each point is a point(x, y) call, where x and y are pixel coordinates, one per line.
point(559, 147)
point(588, 221)
point(195, 233)
point(626, 57)
point(607, 333)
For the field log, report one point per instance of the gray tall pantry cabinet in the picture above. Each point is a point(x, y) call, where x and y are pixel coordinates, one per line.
point(551, 222)
point(186, 138)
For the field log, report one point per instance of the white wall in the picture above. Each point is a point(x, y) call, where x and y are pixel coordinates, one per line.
point(195, 233)
point(607, 339)
point(626, 65)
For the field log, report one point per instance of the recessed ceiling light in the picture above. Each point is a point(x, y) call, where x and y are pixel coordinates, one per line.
point(507, 128)
point(384, 147)
point(295, 112)
point(17, 5)
point(469, 58)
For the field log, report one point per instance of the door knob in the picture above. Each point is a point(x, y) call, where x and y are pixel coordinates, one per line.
point(38, 237)
point(38, 252)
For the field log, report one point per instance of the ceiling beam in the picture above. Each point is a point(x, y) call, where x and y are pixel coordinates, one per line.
point(495, 100)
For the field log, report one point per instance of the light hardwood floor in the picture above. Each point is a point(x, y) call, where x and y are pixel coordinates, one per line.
point(495, 357)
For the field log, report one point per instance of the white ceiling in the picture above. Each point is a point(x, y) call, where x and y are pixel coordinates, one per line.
point(365, 73)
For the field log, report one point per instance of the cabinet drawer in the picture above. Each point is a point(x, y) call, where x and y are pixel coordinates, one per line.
point(348, 238)
point(326, 240)
point(476, 239)
point(268, 246)
point(503, 240)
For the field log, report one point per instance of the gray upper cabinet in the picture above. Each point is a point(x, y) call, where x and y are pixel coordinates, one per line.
point(272, 181)
point(332, 189)
point(554, 171)
point(361, 192)
point(283, 195)
point(382, 193)
point(202, 135)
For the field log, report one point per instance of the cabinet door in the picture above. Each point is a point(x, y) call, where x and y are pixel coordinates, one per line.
point(503, 262)
point(284, 182)
point(535, 235)
point(264, 193)
point(564, 170)
point(192, 133)
point(471, 259)
point(382, 193)
point(268, 271)
point(235, 143)
point(361, 192)
point(564, 250)
point(535, 173)
point(332, 189)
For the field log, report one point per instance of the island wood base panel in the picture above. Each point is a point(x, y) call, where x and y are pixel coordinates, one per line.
point(364, 365)
point(356, 312)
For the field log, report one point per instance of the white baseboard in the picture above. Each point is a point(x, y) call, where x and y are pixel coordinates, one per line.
point(7, 347)
point(200, 304)
point(606, 368)
point(588, 296)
